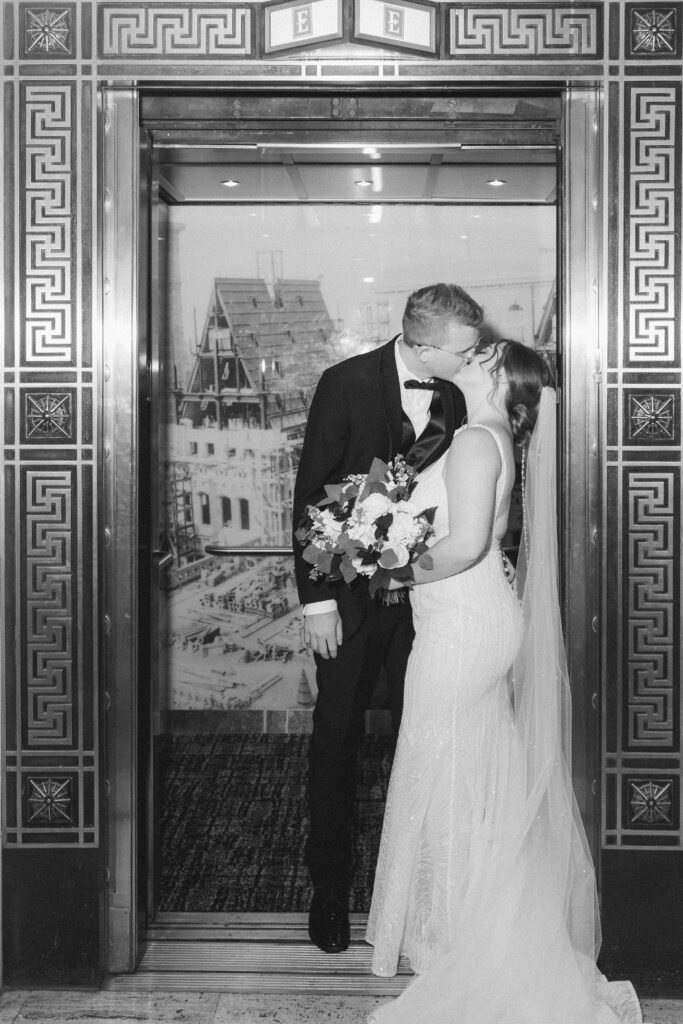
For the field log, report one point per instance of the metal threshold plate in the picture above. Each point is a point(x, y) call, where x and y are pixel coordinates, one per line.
point(253, 953)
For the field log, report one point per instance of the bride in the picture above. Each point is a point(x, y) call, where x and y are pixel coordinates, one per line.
point(484, 878)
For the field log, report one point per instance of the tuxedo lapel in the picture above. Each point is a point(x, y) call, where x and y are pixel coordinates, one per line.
point(430, 443)
point(446, 412)
point(390, 394)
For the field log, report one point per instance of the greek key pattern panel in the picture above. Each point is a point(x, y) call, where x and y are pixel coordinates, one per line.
point(48, 526)
point(526, 31)
point(651, 642)
point(178, 31)
point(652, 225)
point(51, 747)
point(48, 225)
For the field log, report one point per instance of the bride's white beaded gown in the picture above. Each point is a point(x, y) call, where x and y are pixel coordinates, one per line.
point(491, 909)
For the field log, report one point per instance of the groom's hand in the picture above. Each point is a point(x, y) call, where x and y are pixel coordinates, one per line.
point(323, 633)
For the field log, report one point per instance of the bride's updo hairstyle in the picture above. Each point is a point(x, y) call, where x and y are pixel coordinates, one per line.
point(526, 374)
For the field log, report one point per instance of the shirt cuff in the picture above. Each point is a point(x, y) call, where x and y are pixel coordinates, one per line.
point(318, 607)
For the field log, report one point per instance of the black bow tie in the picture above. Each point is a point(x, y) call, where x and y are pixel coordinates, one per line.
point(424, 385)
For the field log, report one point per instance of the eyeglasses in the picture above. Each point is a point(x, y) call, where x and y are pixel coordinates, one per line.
point(467, 360)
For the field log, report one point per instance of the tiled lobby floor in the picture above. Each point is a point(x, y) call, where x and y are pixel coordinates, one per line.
point(64, 1007)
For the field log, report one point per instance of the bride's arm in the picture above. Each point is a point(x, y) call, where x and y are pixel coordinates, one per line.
point(472, 470)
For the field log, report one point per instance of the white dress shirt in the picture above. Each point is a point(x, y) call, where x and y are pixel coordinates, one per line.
point(415, 402)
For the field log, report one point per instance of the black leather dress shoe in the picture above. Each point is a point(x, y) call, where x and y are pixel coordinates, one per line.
point(328, 920)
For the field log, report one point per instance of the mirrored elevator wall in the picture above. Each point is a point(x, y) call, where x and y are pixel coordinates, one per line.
point(63, 627)
point(246, 332)
point(264, 319)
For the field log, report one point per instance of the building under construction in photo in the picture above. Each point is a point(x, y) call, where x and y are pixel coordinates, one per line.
point(233, 444)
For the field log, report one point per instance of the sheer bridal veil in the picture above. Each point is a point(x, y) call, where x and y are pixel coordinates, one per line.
point(526, 933)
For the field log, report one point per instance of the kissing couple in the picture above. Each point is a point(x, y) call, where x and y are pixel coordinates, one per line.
point(484, 878)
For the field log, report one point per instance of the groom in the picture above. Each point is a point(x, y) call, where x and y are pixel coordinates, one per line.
point(371, 405)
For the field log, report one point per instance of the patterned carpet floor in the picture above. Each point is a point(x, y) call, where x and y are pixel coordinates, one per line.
point(232, 822)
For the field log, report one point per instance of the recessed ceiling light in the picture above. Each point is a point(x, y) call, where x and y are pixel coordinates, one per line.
point(363, 183)
point(230, 183)
point(463, 236)
point(368, 280)
point(497, 182)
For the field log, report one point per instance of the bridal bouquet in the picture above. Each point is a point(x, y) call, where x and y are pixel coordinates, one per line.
point(367, 526)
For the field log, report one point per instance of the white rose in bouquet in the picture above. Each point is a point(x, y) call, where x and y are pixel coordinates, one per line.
point(406, 527)
point(376, 505)
point(363, 532)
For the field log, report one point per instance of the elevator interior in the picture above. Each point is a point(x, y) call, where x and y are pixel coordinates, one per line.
point(284, 244)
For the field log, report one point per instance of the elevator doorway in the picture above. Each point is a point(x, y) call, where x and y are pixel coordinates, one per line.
point(277, 242)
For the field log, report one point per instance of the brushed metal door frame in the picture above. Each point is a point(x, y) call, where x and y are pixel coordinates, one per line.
point(582, 330)
point(122, 216)
point(124, 247)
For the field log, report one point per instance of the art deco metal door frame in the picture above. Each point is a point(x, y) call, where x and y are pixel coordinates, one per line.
point(124, 259)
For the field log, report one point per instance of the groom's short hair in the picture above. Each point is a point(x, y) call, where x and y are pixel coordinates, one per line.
point(429, 310)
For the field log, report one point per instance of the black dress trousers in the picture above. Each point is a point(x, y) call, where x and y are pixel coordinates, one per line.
point(345, 686)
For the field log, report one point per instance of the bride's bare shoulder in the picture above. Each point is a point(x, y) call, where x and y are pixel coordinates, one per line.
point(477, 444)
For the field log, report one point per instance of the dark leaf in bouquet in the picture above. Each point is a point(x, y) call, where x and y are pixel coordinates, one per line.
point(383, 523)
point(348, 546)
point(378, 472)
point(368, 557)
point(429, 514)
point(333, 492)
point(302, 534)
point(347, 570)
point(312, 554)
point(388, 559)
point(324, 562)
point(335, 565)
point(380, 581)
point(404, 574)
point(426, 561)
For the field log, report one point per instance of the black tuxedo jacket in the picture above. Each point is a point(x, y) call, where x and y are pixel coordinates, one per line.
point(355, 416)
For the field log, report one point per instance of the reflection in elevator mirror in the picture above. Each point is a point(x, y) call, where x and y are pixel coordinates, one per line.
point(260, 300)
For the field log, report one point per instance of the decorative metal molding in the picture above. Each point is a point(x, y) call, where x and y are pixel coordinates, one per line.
point(47, 31)
point(652, 417)
point(50, 718)
point(654, 31)
point(651, 580)
point(48, 225)
point(650, 803)
point(48, 417)
point(50, 801)
point(522, 31)
point(198, 31)
point(652, 224)
point(51, 704)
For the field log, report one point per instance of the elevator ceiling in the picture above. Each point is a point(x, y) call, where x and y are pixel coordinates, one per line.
point(275, 171)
